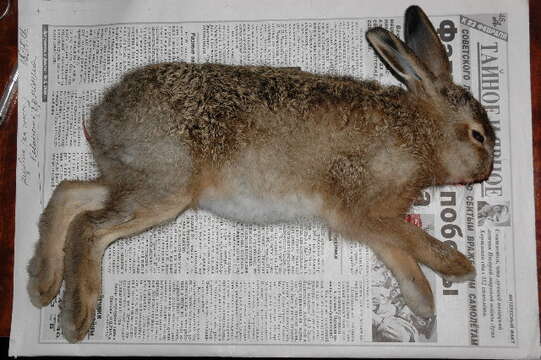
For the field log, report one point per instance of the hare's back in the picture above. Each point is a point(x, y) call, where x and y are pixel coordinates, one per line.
point(160, 115)
point(212, 106)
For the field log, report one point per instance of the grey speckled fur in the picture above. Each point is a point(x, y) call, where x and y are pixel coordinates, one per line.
point(262, 144)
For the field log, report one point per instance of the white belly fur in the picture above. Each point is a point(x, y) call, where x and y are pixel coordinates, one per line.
point(246, 209)
point(259, 188)
point(241, 203)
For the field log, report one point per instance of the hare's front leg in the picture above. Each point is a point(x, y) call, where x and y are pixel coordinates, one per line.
point(400, 246)
point(413, 284)
point(45, 270)
point(89, 235)
point(439, 256)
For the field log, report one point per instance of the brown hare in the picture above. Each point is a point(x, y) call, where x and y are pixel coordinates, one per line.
point(261, 145)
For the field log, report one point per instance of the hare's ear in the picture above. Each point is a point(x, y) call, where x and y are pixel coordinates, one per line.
point(406, 65)
point(421, 37)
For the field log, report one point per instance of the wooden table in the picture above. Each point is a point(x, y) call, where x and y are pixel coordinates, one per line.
point(8, 156)
point(8, 151)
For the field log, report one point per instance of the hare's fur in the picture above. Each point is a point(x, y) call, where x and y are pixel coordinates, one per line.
point(261, 145)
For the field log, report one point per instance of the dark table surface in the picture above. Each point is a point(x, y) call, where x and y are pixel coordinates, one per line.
point(8, 150)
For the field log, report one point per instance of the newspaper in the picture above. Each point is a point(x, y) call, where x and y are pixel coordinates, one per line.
point(203, 285)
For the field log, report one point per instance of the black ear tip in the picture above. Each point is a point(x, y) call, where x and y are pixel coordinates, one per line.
point(414, 17)
point(381, 35)
point(377, 32)
point(414, 10)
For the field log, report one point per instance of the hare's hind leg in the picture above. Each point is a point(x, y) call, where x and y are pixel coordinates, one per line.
point(45, 270)
point(89, 235)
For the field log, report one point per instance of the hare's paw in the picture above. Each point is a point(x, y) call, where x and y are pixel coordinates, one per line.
point(456, 267)
point(78, 309)
point(461, 278)
point(419, 298)
point(45, 276)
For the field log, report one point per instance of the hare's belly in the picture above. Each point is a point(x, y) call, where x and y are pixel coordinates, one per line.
point(245, 206)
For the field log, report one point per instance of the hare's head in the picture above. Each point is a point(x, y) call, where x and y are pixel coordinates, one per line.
point(459, 128)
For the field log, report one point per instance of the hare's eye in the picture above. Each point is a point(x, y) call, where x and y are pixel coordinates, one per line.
point(477, 136)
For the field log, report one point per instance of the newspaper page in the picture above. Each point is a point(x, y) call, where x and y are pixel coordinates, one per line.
point(203, 285)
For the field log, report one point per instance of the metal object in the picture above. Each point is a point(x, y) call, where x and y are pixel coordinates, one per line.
point(10, 89)
point(6, 10)
point(11, 86)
